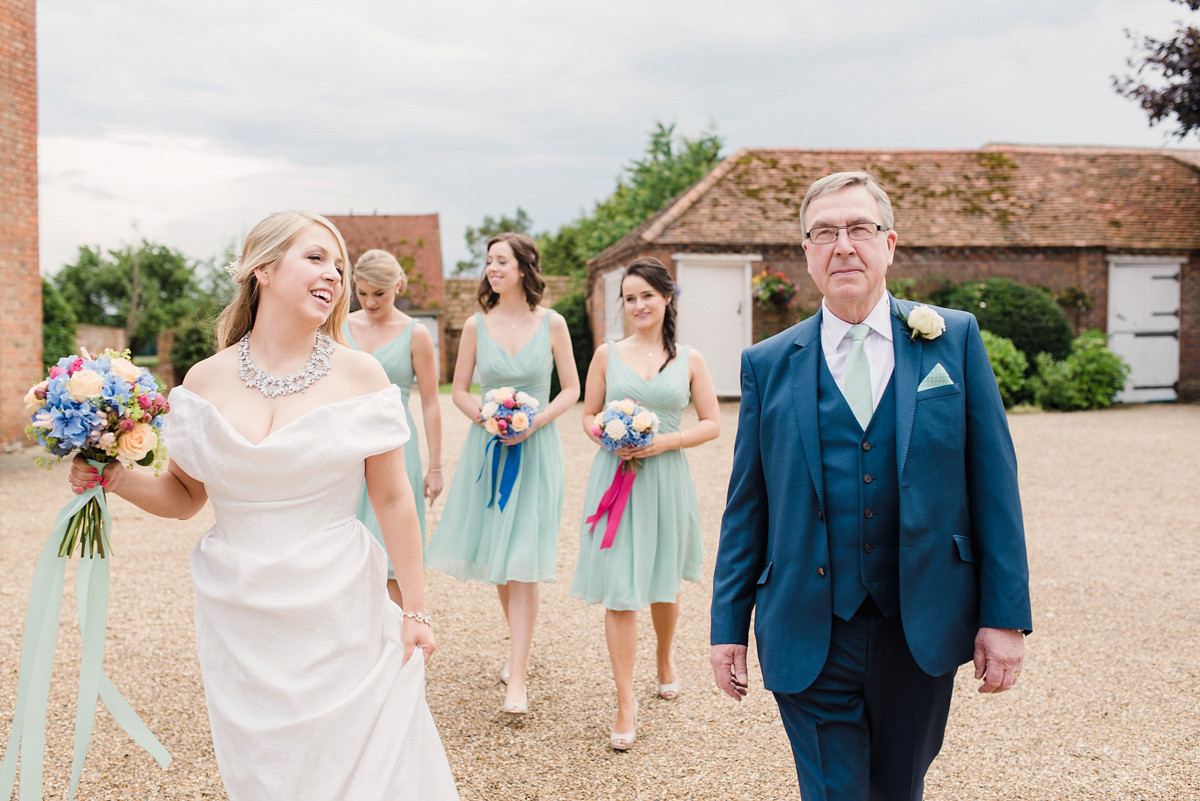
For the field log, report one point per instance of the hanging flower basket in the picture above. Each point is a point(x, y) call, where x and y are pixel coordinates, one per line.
point(772, 290)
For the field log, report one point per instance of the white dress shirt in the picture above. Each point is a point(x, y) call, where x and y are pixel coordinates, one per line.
point(836, 341)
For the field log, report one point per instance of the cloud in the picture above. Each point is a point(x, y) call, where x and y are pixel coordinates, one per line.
point(224, 110)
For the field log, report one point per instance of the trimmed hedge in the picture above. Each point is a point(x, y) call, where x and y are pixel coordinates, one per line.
point(1027, 316)
point(1009, 366)
point(1089, 378)
point(573, 308)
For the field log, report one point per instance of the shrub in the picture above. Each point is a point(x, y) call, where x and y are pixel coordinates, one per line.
point(58, 326)
point(1089, 378)
point(1009, 366)
point(1027, 316)
point(193, 343)
point(573, 308)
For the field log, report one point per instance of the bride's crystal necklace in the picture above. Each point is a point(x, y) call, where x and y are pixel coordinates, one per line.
point(272, 386)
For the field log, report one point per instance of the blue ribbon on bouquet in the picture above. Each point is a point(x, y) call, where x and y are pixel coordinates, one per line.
point(27, 736)
point(512, 466)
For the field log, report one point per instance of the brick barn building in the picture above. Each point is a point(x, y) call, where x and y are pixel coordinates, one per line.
point(1118, 229)
point(416, 240)
point(21, 302)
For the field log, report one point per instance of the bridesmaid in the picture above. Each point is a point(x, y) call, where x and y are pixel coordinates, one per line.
point(657, 543)
point(405, 349)
point(514, 342)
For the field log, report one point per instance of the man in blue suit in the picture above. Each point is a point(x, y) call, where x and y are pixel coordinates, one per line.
point(873, 524)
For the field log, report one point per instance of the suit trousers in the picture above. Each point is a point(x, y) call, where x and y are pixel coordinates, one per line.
point(872, 722)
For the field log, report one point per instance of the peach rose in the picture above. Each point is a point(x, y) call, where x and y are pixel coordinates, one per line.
point(490, 426)
point(32, 401)
point(135, 443)
point(520, 422)
point(85, 384)
point(126, 369)
point(626, 406)
point(642, 421)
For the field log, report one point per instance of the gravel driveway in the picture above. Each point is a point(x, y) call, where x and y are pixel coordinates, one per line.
point(1107, 706)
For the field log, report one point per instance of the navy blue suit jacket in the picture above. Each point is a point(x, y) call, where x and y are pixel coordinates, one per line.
point(962, 541)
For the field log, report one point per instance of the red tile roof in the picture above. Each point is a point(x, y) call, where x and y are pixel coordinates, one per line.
point(998, 196)
point(415, 239)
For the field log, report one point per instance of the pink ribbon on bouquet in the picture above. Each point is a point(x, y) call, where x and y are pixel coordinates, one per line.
point(613, 503)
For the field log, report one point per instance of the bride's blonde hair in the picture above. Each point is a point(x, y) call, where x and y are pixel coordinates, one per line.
point(264, 247)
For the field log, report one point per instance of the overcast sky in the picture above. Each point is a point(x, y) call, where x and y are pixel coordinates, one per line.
point(187, 122)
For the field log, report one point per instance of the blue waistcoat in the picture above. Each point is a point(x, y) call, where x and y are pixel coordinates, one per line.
point(862, 491)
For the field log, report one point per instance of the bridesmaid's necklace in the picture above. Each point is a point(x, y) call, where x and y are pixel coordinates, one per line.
point(273, 386)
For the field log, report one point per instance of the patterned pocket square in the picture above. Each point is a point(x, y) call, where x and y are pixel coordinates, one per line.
point(938, 377)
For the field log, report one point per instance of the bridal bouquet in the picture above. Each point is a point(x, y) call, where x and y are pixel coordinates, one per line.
point(505, 413)
point(108, 409)
point(622, 424)
point(625, 424)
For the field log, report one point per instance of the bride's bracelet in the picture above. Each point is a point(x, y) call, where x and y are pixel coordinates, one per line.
point(420, 618)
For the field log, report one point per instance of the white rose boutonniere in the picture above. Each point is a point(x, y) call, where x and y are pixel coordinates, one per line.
point(924, 322)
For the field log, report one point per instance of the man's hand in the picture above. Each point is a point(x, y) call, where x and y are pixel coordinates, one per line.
point(998, 657)
point(729, 669)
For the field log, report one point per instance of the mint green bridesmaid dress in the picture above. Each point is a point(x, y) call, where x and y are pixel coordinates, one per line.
point(520, 542)
point(396, 358)
point(658, 542)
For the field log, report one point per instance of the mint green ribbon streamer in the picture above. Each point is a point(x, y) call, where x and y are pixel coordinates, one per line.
point(27, 736)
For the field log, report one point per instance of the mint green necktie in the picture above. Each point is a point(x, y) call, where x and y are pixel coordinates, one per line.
point(858, 377)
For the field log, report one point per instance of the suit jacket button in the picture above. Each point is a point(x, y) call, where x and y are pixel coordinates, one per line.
point(867, 478)
point(821, 572)
point(868, 513)
point(866, 446)
point(868, 547)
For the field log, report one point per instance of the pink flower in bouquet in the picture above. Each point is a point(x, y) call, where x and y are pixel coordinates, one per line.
point(145, 401)
point(56, 371)
point(76, 366)
point(125, 425)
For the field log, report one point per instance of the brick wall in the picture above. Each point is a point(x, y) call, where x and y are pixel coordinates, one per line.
point(21, 302)
point(1189, 334)
point(461, 304)
point(1055, 268)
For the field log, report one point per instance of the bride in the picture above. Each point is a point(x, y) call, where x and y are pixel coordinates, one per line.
point(311, 690)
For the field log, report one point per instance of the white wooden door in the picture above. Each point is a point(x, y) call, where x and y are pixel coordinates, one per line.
point(714, 312)
point(1143, 325)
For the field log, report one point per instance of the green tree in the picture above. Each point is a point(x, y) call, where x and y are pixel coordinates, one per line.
point(58, 326)
point(670, 165)
point(143, 290)
point(477, 238)
point(1175, 92)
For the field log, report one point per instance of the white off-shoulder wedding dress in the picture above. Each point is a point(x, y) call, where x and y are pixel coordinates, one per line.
point(308, 693)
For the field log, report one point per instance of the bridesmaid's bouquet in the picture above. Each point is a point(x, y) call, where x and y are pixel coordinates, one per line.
point(108, 409)
point(625, 424)
point(506, 412)
point(622, 424)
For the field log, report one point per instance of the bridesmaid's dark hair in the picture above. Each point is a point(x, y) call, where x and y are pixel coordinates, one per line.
point(529, 260)
point(653, 272)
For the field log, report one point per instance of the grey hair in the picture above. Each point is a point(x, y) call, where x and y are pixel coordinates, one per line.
point(840, 180)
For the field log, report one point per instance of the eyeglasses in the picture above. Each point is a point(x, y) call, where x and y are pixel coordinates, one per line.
point(829, 235)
